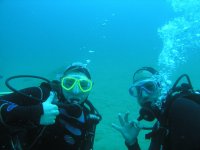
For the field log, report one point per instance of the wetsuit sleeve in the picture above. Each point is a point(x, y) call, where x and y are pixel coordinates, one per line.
point(11, 113)
point(133, 147)
point(16, 108)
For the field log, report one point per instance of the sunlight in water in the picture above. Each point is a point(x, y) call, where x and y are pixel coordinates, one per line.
point(180, 35)
point(181, 38)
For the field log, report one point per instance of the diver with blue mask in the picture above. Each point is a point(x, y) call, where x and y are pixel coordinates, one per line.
point(177, 113)
point(62, 118)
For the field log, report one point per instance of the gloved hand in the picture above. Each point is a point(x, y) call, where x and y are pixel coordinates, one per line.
point(129, 130)
point(50, 110)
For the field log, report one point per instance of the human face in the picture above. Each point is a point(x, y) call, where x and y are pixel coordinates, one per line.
point(76, 87)
point(144, 90)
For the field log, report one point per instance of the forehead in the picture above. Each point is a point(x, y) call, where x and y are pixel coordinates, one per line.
point(77, 75)
point(145, 81)
point(142, 75)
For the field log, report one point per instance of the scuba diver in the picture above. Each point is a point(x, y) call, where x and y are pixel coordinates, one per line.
point(55, 115)
point(176, 110)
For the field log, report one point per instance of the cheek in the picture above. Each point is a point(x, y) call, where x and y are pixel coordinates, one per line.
point(140, 102)
point(66, 93)
point(143, 100)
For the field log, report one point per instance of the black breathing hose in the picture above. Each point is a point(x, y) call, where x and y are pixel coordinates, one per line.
point(7, 82)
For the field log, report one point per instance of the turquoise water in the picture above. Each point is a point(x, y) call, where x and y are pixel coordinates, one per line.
point(114, 37)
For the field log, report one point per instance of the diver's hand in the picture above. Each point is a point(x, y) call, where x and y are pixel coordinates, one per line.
point(129, 130)
point(50, 110)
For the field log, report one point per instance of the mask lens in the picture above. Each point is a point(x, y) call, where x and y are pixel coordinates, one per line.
point(148, 87)
point(85, 85)
point(68, 83)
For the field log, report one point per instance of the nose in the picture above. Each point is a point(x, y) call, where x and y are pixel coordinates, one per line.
point(76, 89)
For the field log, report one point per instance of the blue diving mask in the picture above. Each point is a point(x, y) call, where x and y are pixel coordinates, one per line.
point(144, 87)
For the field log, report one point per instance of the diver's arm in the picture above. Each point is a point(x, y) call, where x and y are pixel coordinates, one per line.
point(19, 99)
point(16, 107)
point(44, 113)
point(12, 113)
point(135, 146)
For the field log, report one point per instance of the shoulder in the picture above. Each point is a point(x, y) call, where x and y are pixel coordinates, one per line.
point(184, 104)
point(184, 110)
point(20, 96)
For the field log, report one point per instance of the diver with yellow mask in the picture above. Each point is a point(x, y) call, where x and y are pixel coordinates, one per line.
point(56, 114)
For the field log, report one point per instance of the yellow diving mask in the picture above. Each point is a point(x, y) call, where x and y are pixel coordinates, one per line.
point(68, 83)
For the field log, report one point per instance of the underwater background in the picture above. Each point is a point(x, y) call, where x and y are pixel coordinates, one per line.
point(113, 37)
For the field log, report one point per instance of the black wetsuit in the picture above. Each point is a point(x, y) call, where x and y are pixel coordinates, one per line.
point(19, 123)
point(183, 125)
